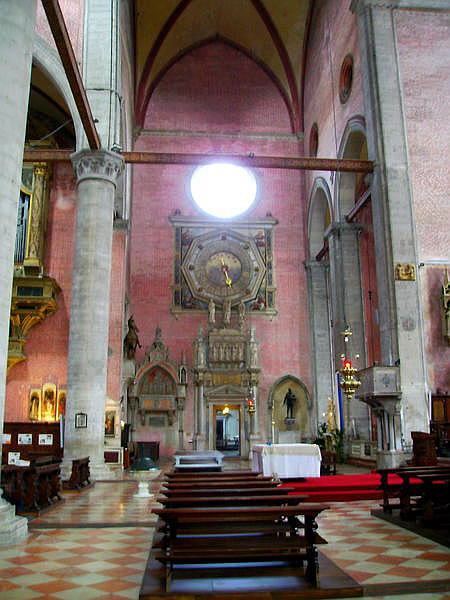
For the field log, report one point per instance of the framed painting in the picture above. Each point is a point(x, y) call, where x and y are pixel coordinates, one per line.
point(110, 423)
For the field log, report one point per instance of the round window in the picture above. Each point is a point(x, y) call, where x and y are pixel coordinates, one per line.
point(223, 190)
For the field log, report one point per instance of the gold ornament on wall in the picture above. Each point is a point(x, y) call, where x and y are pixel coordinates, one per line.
point(405, 272)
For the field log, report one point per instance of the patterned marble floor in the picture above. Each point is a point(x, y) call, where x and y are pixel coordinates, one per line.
point(96, 545)
point(379, 555)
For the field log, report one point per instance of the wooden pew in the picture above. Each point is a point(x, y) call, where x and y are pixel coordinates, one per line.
point(430, 478)
point(406, 488)
point(33, 488)
point(236, 491)
point(80, 475)
point(216, 479)
point(230, 500)
point(261, 482)
point(255, 534)
point(435, 498)
point(179, 476)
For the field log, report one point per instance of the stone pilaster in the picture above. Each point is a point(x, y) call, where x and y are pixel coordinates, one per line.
point(102, 67)
point(321, 338)
point(17, 21)
point(345, 280)
point(392, 206)
point(97, 173)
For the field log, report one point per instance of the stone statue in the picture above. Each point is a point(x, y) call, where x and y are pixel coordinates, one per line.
point(289, 400)
point(226, 312)
point(241, 314)
point(131, 341)
point(200, 348)
point(211, 312)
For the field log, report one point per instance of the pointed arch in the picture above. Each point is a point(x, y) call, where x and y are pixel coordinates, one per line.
point(141, 113)
point(47, 59)
point(320, 204)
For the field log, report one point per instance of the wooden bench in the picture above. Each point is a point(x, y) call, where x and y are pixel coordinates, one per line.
point(254, 534)
point(435, 500)
point(407, 488)
point(231, 499)
point(243, 483)
point(433, 482)
point(179, 476)
point(236, 491)
point(80, 475)
point(33, 488)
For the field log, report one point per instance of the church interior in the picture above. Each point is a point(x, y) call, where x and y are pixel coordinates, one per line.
point(225, 241)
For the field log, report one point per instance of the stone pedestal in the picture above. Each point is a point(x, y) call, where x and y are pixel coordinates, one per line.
point(97, 173)
point(390, 459)
point(17, 22)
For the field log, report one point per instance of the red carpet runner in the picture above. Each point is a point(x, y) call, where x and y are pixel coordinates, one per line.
point(342, 488)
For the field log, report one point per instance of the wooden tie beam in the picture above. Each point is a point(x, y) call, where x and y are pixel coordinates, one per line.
point(258, 162)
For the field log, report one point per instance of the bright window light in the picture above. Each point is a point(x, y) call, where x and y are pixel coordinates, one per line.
point(223, 190)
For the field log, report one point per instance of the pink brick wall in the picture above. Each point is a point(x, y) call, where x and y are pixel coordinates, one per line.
point(159, 190)
point(46, 346)
point(216, 88)
point(424, 50)
point(424, 55)
point(333, 35)
point(73, 13)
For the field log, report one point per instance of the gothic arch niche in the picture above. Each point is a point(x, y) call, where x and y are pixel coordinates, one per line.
point(301, 428)
point(155, 419)
point(320, 216)
point(350, 186)
point(319, 290)
point(47, 60)
point(355, 279)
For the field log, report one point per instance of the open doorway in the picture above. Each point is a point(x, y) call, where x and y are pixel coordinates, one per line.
point(227, 429)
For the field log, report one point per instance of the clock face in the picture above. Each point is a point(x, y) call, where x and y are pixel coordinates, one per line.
point(223, 268)
point(223, 265)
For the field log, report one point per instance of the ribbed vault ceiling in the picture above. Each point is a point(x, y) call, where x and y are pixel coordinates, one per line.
point(272, 32)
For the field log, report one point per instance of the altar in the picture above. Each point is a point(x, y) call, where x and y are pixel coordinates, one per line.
point(287, 460)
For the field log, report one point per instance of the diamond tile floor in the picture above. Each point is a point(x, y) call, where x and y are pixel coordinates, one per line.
point(96, 545)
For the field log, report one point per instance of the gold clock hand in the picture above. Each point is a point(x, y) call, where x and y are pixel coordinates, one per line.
point(228, 280)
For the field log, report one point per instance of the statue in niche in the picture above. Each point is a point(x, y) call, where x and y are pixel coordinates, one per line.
point(131, 341)
point(226, 312)
point(211, 312)
point(158, 343)
point(200, 348)
point(289, 401)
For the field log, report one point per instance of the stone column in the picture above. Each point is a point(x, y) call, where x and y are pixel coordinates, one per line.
point(392, 206)
point(201, 416)
point(346, 295)
point(89, 313)
point(321, 338)
point(17, 21)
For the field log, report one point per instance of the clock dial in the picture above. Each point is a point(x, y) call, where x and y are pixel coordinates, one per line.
point(222, 265)
point(223, 268)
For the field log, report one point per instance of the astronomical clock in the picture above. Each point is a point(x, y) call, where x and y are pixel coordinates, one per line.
point(222, 262)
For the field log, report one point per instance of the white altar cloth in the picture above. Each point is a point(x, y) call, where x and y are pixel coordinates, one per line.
point(287, 460)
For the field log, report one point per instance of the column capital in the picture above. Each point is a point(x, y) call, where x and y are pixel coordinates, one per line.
point(98, 164)
point(314, 265)
point(340, 227)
